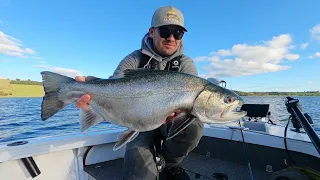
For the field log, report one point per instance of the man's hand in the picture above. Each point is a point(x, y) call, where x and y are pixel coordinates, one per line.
point(172, 116)
point(83, 101)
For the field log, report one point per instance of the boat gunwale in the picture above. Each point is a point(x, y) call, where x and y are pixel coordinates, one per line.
point(69, 142)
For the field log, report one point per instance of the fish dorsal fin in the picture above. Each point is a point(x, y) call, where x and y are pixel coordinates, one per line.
point(124, 138)
point(179, 123)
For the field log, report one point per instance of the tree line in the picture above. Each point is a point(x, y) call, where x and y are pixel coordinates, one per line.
point(26, 82)
point(306, 93)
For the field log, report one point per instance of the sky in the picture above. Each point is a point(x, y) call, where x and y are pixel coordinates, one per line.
point(252, 45)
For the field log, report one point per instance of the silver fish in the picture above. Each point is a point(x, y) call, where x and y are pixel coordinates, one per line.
point(142, 100)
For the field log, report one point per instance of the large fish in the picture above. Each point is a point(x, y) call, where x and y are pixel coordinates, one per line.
point(142, 100)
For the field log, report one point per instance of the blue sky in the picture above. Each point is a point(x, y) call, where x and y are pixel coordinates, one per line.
point(253, 45)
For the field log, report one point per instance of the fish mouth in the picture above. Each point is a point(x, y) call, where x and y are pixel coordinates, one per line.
point(228, 114)
point(222, 115)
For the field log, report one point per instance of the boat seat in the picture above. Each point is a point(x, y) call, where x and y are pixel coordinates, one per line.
point(255, 126)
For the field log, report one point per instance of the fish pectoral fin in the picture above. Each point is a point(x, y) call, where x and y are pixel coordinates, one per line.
point(124, 138)
point(88, 119)
point(179, 123)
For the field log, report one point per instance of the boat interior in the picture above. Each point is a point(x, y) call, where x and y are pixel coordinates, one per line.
point(250, 148)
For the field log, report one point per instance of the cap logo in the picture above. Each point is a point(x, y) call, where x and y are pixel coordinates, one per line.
point(171, 16)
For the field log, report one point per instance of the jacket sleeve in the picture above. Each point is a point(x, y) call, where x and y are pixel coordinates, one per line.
point(188, 66)
point(131, 61)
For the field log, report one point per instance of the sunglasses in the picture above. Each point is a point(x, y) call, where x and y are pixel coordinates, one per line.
point(165, 32)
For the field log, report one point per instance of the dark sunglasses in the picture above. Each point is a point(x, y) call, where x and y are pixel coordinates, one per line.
point(165, 32)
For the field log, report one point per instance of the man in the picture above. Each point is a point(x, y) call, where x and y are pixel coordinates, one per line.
point(161, 48)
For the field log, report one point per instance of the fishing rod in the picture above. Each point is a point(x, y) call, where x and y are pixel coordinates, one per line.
point(294, 108)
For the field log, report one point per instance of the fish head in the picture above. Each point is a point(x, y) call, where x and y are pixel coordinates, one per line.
point(216, 104)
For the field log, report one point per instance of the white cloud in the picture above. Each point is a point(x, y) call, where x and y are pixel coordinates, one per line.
point(42, 66)
point(304, 45)
point(64, 71)
point(224, 52)
point(292, 57)
point(201, 58)
point(11, 46)
point(67, 72)
point(29, 51)
point(309, 82)
point(310, 57)
point(315, 32)
point(3, 77)
point(317, 54)
point(245, 59)
point(37, 57)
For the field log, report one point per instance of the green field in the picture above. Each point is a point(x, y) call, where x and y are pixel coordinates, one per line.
point(19, 90)
point(5, 86)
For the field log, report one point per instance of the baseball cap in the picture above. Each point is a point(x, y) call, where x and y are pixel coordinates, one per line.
point(167, 15)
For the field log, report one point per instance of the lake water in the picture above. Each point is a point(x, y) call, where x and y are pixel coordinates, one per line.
point(20, 117)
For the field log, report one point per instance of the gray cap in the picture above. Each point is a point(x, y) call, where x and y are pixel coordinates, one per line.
point(167, 15)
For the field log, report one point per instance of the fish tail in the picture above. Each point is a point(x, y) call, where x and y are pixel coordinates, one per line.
point(51, 84)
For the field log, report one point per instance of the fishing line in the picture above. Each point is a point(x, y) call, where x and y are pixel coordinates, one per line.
point(285, 142)
point(245, 153)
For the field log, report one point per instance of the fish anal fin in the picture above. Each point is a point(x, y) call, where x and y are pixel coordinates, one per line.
point(179, 123)
point(124, 138)
point(89, 118)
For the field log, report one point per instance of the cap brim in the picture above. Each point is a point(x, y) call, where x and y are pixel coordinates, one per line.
point(159, 25)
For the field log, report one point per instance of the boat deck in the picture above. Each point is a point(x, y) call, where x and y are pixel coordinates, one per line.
point(198, 167)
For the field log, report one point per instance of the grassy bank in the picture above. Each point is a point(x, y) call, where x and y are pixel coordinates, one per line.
point(19, 90)
point(5, 87)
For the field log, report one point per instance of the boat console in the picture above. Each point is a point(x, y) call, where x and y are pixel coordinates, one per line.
point(255, 114)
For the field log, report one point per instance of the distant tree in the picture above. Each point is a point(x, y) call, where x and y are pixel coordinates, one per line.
point(3, 94)
point(26, 82)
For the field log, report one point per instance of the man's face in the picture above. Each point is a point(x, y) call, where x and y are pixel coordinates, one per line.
point(166, 39)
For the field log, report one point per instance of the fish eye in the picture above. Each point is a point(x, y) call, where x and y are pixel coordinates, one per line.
point(229, 99)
